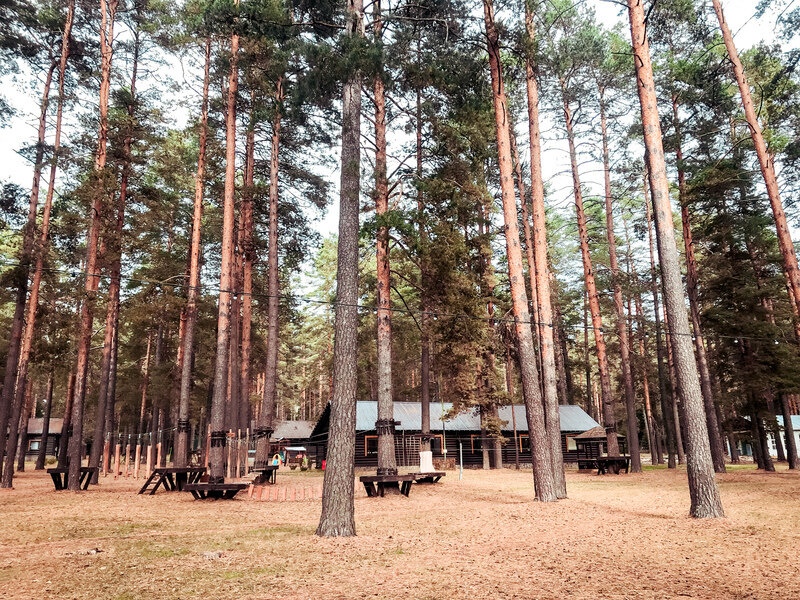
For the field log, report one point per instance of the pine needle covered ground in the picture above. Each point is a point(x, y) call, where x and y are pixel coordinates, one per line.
point(624, 536)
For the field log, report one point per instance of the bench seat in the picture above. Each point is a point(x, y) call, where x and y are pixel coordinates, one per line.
point(202, 491)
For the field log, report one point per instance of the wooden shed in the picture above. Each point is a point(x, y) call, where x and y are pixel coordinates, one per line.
point(35, 437)
point(449, 433)
point(592, 443)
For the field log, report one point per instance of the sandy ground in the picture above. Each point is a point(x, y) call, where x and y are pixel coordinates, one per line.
point(625, 536)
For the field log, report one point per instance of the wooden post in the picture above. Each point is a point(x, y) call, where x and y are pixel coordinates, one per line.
point(208, 443)
point(149, 465)
point(138, 457)
point(128, 457)
point(228, 462)
point(238, 451)
point(106, 454)
point(117, 451)
point(158, 450)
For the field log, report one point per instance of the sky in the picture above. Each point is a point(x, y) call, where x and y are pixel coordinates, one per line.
point(24, 97)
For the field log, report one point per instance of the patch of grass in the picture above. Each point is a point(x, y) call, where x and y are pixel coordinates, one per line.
point(128, 528)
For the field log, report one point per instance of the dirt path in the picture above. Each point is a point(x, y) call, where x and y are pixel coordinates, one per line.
point(615, 537)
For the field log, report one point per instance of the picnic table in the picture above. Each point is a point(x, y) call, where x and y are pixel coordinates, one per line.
point(206, 490)
point(267, 474)
point(612, 464)
point(428, 476)
point(61, 474)
point(383, 482)
point(172, 478)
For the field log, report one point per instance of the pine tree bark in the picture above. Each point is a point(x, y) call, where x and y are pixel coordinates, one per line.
point(248, 257)
point(41, 457)
point(703, 491)
point(663, 387)
point(545, 486)
point(66, 424)
point(108, 14)
point(337, 517)
point(765, 161)
point(526, 230)
point(619, 306)
point(424, 321)
point(609, 405)
point(788, 429)
point(182, 449)
point(542, 271)
point(384, 426)
point(217, 449)
point(14, 382)
point(269, 400)
point(715, 440)
point(28, 406)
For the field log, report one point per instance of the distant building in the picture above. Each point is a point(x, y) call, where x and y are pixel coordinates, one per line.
point(35, 437)
point(461, 431)
point(773, 449)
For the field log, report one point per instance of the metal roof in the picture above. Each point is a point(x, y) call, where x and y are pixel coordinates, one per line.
point(573, 418)
point(293, 430)
point(35, 426)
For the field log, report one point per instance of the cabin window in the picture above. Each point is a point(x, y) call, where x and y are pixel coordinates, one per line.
point(524, 442)
point(370, 445)
point(33, 445)
point(436, 444)
point(571, 445)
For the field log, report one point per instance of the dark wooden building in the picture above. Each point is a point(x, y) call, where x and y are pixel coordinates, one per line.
point(460, 432)
point(35, 437)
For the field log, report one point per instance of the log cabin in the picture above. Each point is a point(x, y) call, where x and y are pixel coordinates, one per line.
point(452, 436)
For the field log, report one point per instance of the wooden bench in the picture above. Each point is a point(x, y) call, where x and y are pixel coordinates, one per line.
point(612, 464)
point(226, 491)
point(383, 482)
point(429, 477)
point(266, 474)
point(172, 478)
point(61, 475)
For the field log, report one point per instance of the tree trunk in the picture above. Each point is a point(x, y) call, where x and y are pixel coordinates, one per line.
point(714, 439)
point(217, 450)
point(788, 429)
point(705, 499)
point(337, 517)
point(676, 410)
point(92, 275)
point(545, 485)
point(384, 426)
point(619, 305)
point(12, 399)
point(182, 449)
point(248, 257)
point(424, 321)
point(66, 424)
point(30, 403)
point(526, 229)
point(48, 409)
point(542, 272)
point(270, 393)
point(609, 405)
point(663, 388)
point(765, 161)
